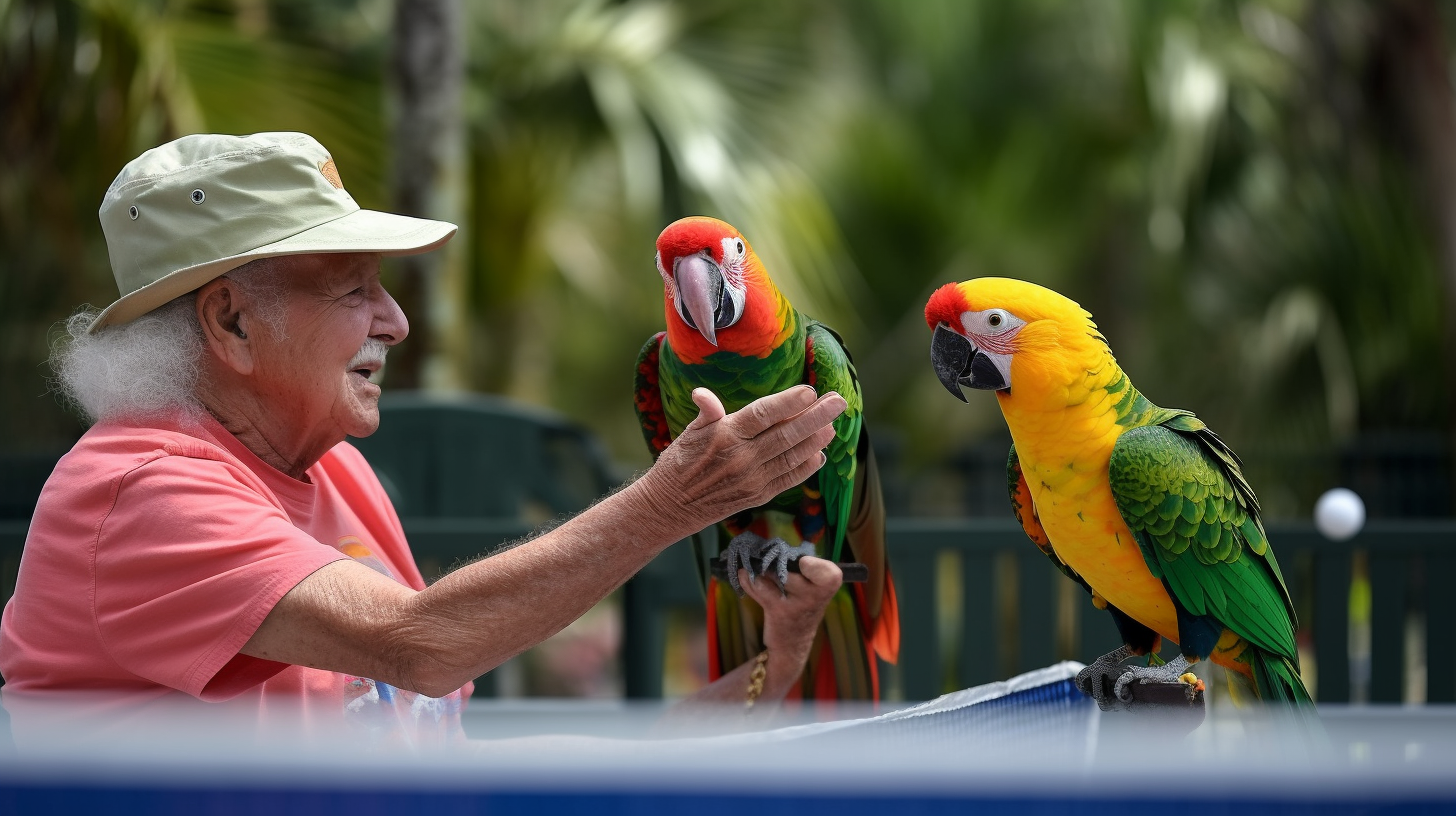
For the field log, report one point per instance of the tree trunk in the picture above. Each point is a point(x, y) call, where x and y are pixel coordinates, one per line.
point(426, 74)
point(1412, 64)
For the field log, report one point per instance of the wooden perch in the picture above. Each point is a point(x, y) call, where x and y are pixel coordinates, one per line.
point(1173, 703)
point(854, 573)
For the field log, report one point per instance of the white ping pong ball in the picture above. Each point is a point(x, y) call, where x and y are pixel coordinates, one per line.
point(1339, 514)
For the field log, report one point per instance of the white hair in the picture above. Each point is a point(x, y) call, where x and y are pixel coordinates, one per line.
point(150, 366)
point(144, 368)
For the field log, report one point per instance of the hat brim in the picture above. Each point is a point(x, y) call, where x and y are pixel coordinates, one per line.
point(360, 231)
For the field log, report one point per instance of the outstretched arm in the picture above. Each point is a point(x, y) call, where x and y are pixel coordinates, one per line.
point(345, 617)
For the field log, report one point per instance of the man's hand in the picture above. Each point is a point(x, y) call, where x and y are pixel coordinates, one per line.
point(791, 617)
point(724, 463)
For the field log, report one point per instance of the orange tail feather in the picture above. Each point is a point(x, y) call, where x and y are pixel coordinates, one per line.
point(882, 634)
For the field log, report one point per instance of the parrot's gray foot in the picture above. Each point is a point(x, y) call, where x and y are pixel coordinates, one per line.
point(771, 553)
point(1090, 679)
point(743, 547)
point(1174, 671)
point(778, 555)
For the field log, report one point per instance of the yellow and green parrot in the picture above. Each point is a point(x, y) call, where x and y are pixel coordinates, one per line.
point(1143, 506)
point(730, 330)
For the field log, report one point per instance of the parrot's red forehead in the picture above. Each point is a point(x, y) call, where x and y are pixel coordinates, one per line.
point(946, 306)
point(690, 236)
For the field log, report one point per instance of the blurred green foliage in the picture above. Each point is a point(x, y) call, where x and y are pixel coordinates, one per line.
point(1224, 185)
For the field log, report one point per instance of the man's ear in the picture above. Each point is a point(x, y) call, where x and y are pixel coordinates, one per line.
point(224, 326)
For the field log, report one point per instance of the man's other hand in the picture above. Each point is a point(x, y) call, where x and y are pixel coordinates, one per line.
point(790, 617)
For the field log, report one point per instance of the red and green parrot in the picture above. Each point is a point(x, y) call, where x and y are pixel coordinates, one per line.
point(1143, 506)
point(730, 330)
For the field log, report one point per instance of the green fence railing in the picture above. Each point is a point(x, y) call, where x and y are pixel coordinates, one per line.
point(978, 602)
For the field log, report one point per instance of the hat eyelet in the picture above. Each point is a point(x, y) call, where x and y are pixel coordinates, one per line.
point(198, 196)
point(134, 212)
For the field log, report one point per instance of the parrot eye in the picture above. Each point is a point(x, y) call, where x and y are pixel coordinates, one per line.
point(990, 323)
point(740, 247)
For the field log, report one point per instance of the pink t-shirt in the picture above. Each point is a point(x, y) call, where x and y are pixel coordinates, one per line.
point(156, 552)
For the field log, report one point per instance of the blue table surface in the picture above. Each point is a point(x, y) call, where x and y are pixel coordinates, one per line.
point(1039, 750)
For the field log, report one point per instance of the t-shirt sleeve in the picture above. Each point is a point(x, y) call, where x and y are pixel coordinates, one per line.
point(188, 563)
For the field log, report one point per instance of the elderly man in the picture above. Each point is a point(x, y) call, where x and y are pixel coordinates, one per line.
point(213, 533)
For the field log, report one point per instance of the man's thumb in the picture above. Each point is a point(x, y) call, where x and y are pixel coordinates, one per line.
point(710, 408)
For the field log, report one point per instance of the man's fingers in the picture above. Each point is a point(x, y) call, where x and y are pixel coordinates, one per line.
point(821, 572)
point(807, 590)
point(821, 438)
point(762, 414)
point(762, 591)
point(798, 474)
point(806, 449)
point(795, 465)
point(814, 421)
point(710, 408)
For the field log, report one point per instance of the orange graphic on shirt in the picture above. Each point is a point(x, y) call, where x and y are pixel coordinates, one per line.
point(353, 547)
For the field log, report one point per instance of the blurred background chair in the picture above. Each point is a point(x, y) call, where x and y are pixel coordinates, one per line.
point(473, 456)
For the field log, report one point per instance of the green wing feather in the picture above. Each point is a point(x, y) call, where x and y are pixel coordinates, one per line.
point(828, 368)
point(850, 480)
point(1183, 494)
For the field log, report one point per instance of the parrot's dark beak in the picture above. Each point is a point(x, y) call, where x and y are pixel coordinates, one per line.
point(958, 362)
point(950, 355)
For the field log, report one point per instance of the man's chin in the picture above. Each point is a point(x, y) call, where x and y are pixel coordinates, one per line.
point(364, 430)
point(364, 415)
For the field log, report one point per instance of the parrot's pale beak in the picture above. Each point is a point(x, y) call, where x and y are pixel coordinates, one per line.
point(702, 304)
point(958, 362)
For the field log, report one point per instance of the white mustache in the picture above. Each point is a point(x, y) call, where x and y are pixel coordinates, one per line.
point(373, 351)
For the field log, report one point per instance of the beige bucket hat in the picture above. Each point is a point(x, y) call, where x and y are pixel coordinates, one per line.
point(193, 209)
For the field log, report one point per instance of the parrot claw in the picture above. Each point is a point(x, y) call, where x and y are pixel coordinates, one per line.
point(1089, 680)
point(1171, 672)
point(771, 553)
point(779, 554)
point(735, 556)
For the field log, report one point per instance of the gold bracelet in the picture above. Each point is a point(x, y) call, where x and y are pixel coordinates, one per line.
point(755, 679)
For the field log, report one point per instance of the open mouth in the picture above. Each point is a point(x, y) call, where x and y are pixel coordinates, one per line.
point(368, 362)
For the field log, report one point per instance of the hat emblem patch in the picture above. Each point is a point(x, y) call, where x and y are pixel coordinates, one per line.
point(331, 173)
